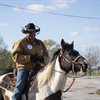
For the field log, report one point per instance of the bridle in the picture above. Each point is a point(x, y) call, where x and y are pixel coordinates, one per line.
point(61, 55)
point(73, 66)
point(72, 62)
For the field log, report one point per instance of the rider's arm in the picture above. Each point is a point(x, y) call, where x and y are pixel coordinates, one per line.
point(17, 54)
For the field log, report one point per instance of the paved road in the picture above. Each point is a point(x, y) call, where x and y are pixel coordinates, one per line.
point(83, 88)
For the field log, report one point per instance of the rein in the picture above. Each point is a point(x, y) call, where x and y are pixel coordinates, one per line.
point(73, 65)
point(58, 71)
point(70, 85)
point(65, 74)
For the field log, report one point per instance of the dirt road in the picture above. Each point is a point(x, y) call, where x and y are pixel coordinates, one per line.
point(83, 88)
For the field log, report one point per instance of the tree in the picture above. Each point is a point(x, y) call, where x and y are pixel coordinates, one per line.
point(3, 47)
point(2, 44)
point(92, 55)
point(98, 68)
point(6, 61)
point(51, 46)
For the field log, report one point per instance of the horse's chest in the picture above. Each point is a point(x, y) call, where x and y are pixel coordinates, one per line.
point(54, 96)
point(47, 94)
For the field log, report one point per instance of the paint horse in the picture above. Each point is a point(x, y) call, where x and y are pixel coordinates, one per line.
point(50, 82)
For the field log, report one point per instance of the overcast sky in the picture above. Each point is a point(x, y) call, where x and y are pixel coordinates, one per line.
point(85, 32)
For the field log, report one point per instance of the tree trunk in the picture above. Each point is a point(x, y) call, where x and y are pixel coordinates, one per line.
point(90, 71)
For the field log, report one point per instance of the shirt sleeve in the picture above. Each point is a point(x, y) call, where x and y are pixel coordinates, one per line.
point(17, 54)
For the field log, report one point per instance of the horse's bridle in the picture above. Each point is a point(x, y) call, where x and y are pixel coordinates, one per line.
point(73, 65)
point(72, 62)
point(61, 55)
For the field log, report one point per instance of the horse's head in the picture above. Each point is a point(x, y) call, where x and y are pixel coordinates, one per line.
point(70, 59)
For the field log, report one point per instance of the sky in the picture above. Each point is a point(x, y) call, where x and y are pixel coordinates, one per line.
point(52, 16)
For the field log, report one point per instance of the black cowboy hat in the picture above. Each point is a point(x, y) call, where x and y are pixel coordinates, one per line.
point(30, 27)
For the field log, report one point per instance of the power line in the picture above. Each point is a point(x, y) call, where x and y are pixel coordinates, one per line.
point(51, 1)
point(50, 12)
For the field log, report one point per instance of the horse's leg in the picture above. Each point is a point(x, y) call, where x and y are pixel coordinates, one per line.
point(55, 96)
point(1, 95)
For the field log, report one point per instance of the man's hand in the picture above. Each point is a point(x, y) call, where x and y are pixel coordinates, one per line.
point(41, 58)
point(34, 58)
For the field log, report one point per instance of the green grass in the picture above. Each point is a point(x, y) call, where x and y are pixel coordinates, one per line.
point(98, 92)
point(92, 74)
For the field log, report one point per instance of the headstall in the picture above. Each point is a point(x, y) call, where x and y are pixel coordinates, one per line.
point(72, 62)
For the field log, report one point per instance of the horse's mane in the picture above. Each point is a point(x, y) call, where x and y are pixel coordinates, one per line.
point(55, 54)
point(47, 74)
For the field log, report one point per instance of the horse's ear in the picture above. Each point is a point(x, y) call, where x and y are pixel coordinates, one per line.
point(72, 44)
point(62, 43)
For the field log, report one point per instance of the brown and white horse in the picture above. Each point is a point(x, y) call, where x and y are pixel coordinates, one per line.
point(50, 83)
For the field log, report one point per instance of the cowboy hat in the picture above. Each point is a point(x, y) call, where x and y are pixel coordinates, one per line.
point(30, 27)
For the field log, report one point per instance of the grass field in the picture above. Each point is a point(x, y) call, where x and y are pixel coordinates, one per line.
point(98, 92)
point(92, 74)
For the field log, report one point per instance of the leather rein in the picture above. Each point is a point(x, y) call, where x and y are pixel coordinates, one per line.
point(73, 65)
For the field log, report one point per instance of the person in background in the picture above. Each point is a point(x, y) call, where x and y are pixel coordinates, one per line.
point(28, 53)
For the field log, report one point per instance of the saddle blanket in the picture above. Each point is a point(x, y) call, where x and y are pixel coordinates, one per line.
point(9, 82)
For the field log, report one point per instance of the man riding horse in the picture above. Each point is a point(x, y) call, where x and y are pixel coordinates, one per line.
point(28, 53)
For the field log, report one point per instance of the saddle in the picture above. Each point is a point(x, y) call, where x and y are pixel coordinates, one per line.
point(9, 81)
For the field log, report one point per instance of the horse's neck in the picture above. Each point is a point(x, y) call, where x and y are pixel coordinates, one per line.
point(59, 79)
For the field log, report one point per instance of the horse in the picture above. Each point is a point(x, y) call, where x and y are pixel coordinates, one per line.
point(50, 82)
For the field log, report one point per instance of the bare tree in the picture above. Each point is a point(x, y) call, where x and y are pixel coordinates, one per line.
point(2, 44)
point(92, 54)
point(3, 47)
point(98, 68)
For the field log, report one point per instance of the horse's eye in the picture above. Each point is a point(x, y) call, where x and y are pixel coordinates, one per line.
point(68, 51)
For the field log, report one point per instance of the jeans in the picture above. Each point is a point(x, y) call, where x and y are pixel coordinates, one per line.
point(22, 76)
